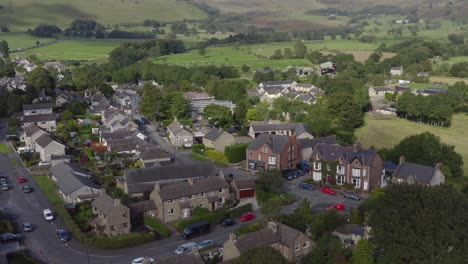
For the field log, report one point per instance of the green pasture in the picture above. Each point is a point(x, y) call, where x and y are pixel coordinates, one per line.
point(446, 79)
point(22, 40)
point(386, 131)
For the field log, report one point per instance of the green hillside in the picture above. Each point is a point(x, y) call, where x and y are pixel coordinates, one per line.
point(23, 14)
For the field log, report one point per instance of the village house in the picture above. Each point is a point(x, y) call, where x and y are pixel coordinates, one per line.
point(197, 107)
point(287, 129)
point(291, 243)
point(396, 71)
point(40, 115)
point(304, 87)
point(13, 83)
point(177, 200)
point(288, 84)
point(74, 184)
point(361, 168)
point(111, 216)
point(407, 172)
point(30, 135)
point(154, 157)
point(54, 65)
point(243, 188)
point(378, 92)
point(179, 135)
point(47, 147)
point(37, 109)
point(308, 145)
point(273, 152)
point(306, 98)
point(327, 67)
point(114, 120)
point(350, 234)
point(218, 139)
point(194, 96)
point(140, 182)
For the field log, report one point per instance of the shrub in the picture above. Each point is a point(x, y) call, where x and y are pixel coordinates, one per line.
point(248, 228)
point(236, 212)
point(236, 152)
point(199, 149)
point(157, 226)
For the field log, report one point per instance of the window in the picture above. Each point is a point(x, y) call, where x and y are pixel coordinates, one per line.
point(202, 205)
point(211, 193)
point(328, 167)
point(192, 197)
point(202, 195)
point(124, 214)
point(125, 224)
point(259, 156)
point(305, 245)
point(182, 199)
point(272, 160)
point(292, 147)
point(221, 190)
point(170, 211)
point(170, 201)
point(340, 169)
point(297, 247)
point(341, 160)
point(43, 123)
point(112, 227)
point(356, 183)
point(340, 179)
point(177, 137)
point(221, 200)
point(356, 172)
point(317, 166)
point(265, 150)
point(250, 155)
point(364, 172)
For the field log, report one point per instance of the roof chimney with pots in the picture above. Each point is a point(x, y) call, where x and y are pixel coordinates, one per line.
point(157, 187)
point(437, 166)
point(190, 181)
point(117, 202)
point(232, 237)
point(356, 147)
point(402, 159)
point(273, 226)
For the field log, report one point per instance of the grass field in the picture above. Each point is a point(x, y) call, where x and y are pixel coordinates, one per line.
point(75, 49)
point(4, 148)
point(21, 40)
point(448, 80)
point(384, 131)
point(24, 14)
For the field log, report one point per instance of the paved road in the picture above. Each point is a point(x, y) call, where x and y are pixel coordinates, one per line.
point(43, 244)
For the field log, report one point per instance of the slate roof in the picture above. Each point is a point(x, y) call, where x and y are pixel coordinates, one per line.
point(421, 173)
point(184, 189)
point(311, 143)
point(175, 127)
point(214, 134)
point(273, 89)
point(331, 152)
point(327, 65)
point(347, 229)
point(120, 134)
point(44, 140)
point(37, 106)
point(31, 130)
point(382, 89)
point(104, 203)
point(143, 179)
point(304, 85)
point(277, 83)
point(67, 179)
point(154, 153)
point(243, 184)
point(275, 142)
point(39, 118)
point(299, 128)
point(188, 258)
point(305, 97)
point(142, 206)
point(399, 68)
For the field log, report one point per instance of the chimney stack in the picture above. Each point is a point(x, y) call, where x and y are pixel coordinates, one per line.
point(273, 226)
point(437, 166)
point(157, 187)
point(402, 160)
point(356, 147)
point(190, 181)
point(232, 237)
point(117, 202)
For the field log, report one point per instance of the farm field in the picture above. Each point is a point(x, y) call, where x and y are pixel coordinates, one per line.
point(21, 40)
point(24, 14)
point(74, 50)
point(385, 131)
point(447, 80)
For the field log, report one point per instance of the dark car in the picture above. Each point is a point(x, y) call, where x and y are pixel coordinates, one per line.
point(228, 222)
point(352, 196)
point(300, 172)
point(9, 237)
point(26, 188)
point(63, 235)
point(306, 186)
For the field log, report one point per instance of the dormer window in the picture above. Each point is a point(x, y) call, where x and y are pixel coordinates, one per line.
point(341, 160)
point(265, 150)
point(317, 157)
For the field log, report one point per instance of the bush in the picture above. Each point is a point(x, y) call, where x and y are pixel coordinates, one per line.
point(199, 149)
point(157, 226)
point(213, 154)
point(248, 228)
point(236, 152)
point(237, 212)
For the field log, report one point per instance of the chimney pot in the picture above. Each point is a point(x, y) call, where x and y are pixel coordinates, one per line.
point(402, 159)
point(232, 237)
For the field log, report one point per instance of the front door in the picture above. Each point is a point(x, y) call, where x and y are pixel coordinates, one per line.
point(185, 212)
point(213, 206)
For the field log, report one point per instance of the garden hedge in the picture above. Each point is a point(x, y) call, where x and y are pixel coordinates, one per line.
point(236, 152)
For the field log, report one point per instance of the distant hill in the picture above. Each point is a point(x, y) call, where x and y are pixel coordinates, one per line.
point(23, 14)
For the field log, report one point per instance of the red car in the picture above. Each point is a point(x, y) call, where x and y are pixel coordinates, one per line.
point(21, 180)
point(327, 190)
point(247, 217)
point(336, 207)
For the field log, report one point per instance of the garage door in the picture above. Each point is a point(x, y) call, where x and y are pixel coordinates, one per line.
point(247, 193)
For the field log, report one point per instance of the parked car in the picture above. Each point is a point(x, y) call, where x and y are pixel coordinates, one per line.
point(140, 260)
point(228, 222)
point(205, 243)
point(27, 227)
point(306, 186)
point(3, 180)
point(185, 248)
point(336, 207)
point(26, 188)
point(63, 235)
point(327, 190)
point(5, 187)
point(300, 172)
point(247, 217)
point(352, 196)
point(10, 237)
point(48, 215)
point(196, 229)
point(21, 179)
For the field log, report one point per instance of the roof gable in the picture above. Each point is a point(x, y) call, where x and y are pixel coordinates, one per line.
point(184, 189)
point(68, 178)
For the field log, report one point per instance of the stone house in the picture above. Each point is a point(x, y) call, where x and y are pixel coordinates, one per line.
point(415, 173)
point(378, 92)
point(46, 121)
point(47, 147)
point(350, 234)
point(298, 130)
point(243, 188)
point(291, 243)
point(273, 152)
point(154, 156)
point(308, 145)
point(179, 135)
point(73, 183)
point(112, 216)
point(218, 139)
point(361, 168)
point(304, 87)
point(288, 84)
point(396, 71)
point(30, 135)
point(37, 109)
point(197, 107)
point(177, 200)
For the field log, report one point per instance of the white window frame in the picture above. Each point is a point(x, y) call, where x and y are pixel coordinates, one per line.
point(340, 169)
point(317, 165)
point(272, 160)
point(356, 172)
point(221, 190)
point(364, 172)
point(170, 201)
point(191, 197)
point(340, 179)
point(305, 244)
point(170, 211)
point(202, 195)
point(265, 150)
point(259, 156)
point(210, 193)
point(356, 182)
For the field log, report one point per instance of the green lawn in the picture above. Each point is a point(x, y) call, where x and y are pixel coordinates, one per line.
point(75, 49)
point(22, 40)
point(446, 79)
point(157, 226)
point(48, 188)
point(23, 14)
point(4, 148)
point(385, 131)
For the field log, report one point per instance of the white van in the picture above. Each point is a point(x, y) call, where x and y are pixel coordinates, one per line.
point(23, 149)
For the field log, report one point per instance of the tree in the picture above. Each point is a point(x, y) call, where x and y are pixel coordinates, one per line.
point(4, 49)
point(269, 181)
point(328, 250)
point(420, 224)
point(363, 253)
point(245, 68)
point(40, 78)
point(348, 113)
point(180, 106)
point(218, 115)
point(288, 54)
point(456, 39)
point(459, 69)
point(261, 255)
point(300, 50)
point(277, 56)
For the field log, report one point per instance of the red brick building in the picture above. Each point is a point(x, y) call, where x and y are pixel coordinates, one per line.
point(273, 152)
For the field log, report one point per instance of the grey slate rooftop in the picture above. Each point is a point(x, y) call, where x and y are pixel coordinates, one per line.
point(184, 189)
point(68, 180)
point(275, 142)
